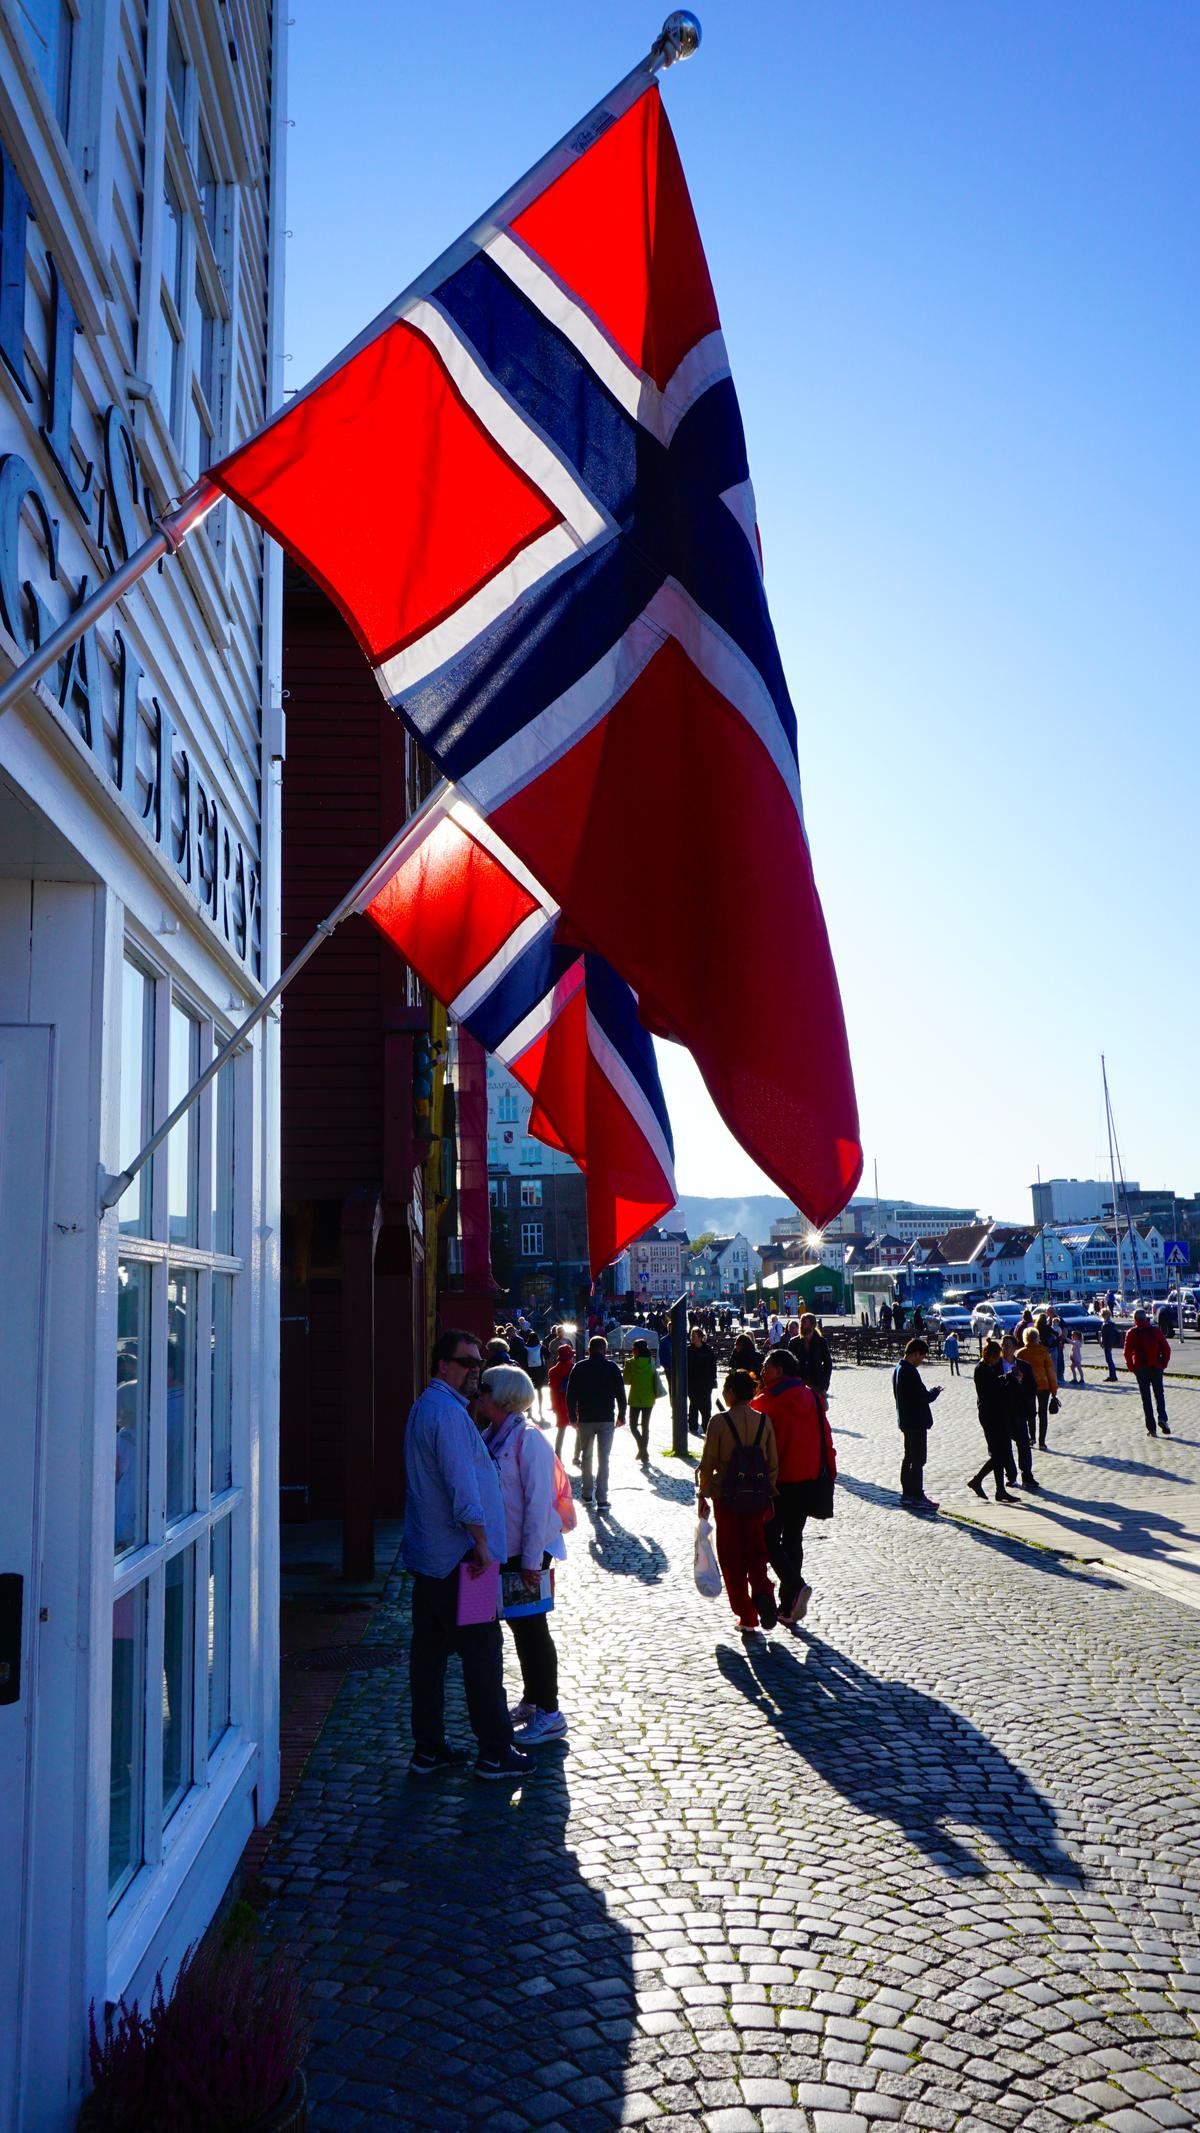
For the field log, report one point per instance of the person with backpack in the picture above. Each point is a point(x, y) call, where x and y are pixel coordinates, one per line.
point(737, 1474)
point(807, 1468)
point(530, 1489)
point(638, 1374)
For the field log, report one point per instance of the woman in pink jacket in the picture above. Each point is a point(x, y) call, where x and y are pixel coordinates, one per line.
point(525, 1465)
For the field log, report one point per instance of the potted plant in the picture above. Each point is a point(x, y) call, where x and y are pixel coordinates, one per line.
point(222, 2055)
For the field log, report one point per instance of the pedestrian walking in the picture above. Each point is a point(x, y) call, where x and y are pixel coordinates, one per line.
point(701, 1381)
point(993, 1420)
point(1020, 1389)
point(1147, 1353)
point(533, 1538)
point(813, 1360)
point(454, 1516)
point(950, 1351)
point(745, 1356)
point(1110, 1340)
point(643, 1392)
point(914, 1399)
point(535, 1364)
point(807, 1466)
point(885, 1318)
point(556, 1378)
point(1075, 1352)
point(1040, 1362)
point(738, 1473)
point(596, 1405)
point(1050, 1333)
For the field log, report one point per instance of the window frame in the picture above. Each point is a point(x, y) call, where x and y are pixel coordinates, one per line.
point(205, 1510)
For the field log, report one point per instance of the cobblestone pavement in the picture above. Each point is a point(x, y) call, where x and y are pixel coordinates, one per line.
point(935, 1862)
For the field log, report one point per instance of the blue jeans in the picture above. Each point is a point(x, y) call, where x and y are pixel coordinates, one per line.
point(595, 1438)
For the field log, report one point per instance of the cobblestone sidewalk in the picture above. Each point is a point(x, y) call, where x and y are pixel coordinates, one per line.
point(935, 1862)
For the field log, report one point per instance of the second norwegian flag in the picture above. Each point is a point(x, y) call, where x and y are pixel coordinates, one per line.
point(526, 487)
point(484, 936)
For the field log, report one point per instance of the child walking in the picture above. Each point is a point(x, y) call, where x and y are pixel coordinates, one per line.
point(1077, 1377)
point(738, 1470)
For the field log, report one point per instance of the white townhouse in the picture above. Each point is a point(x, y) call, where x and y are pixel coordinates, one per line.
point(141, 186)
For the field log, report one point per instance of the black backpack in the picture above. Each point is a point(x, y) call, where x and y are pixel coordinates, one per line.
point(747, 1481)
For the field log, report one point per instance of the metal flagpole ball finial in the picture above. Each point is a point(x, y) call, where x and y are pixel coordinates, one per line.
point(678, 38)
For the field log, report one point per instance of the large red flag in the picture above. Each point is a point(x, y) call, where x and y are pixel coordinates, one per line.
point(527, 490)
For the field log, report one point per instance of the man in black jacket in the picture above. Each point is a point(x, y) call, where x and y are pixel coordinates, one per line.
point(596, 1403)
point(701, 1381)
point(913, 1401)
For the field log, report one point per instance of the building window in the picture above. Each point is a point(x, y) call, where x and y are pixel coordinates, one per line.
point(531, 1192)
point(531, 1240)
point(178, 1455)
point(189, 359)
point(50, 28)
point(507, 1112)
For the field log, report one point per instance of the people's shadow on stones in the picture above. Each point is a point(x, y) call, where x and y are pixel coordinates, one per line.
point(626, 1554)
point(901, 1756)
point(492, 1985)
point(1130, 1529)
point(679, 1487)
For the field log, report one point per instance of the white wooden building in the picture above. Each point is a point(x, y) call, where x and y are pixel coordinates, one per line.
point(140, 297)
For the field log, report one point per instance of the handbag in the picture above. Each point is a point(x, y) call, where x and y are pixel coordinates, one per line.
point(1055, 1404)
point(705, 1567)
point(661, 1386)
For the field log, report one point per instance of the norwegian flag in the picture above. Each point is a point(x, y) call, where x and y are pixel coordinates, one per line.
point(482, 933)
point(526, 488)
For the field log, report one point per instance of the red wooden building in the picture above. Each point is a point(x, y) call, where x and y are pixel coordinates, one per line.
point(372, 1243)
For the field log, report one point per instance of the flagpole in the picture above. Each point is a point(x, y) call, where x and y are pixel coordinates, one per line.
point(170, 531)
point(678, 38)
point(115, 1184)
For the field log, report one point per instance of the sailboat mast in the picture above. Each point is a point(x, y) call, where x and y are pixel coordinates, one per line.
point(1117, 1202)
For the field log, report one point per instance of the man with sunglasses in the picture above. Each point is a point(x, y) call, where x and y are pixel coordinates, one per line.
point(454, 1513)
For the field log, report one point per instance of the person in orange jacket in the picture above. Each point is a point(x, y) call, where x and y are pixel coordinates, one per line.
point(1040, 1361)
point(805, 1447)
point(1147, 1353)
point(560, 1371)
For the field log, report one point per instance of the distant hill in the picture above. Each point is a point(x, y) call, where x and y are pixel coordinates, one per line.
point(752, 1216)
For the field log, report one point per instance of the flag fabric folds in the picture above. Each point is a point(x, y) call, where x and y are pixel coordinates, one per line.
point(486, 938)
point(527, 489)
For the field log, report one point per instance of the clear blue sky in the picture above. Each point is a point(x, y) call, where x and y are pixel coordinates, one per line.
point(955, 251)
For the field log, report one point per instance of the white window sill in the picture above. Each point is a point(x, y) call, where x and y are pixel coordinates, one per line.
point(142, 1911)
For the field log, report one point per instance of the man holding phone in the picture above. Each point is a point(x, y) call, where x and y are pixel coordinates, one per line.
point(913, 1401)
point(454, 1514)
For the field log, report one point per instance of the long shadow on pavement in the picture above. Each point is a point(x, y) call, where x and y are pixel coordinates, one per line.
point(460, 1970)
point(615, 1548)
point(897, 1754)
point(1052, 1563)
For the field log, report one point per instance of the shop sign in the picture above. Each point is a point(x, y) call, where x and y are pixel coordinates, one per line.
point(97, 686)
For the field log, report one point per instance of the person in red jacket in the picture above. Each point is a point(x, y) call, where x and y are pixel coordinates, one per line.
point(559, 1372)
point(805, 1447)
point(1147, 1353)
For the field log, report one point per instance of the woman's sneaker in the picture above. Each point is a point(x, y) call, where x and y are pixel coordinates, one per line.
point(542, 1725)
point(519, 1714)
point(511, 1765)
point(426, 1764)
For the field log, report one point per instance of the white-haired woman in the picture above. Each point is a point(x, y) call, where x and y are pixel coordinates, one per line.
point(533, 1535)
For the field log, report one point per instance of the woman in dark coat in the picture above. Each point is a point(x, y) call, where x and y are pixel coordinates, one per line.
point(994, 1420)
point(701, 1381)
point(811, 1350)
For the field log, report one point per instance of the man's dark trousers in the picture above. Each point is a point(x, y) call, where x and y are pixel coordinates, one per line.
point(435, 1634)
point(1108, 1357)
point(912, 1470)
point(1151, 1382)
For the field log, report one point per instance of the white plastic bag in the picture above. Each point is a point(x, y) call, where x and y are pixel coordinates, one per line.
point(707, 1569)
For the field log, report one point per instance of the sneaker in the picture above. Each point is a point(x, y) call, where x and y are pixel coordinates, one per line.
point(802, 1599)
point(544, 1725)
point(586, 1501)
point(424, 1765)
point(508, 1767)
point(768, 1611)
point(602, 1503)
point(1028, 1482)
point(753, 1639)
point(519, 1714)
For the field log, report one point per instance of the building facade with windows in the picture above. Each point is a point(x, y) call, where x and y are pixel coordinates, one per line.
point(140, 296)
point(538, 1196)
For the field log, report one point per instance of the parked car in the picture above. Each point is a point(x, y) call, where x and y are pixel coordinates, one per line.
point(951, 1318)
point(1076, 1319)
point(996, 1316)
